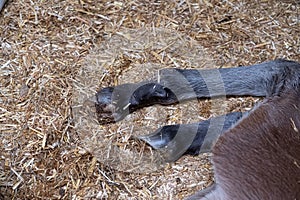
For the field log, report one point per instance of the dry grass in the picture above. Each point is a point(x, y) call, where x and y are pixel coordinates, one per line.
point(45, 46)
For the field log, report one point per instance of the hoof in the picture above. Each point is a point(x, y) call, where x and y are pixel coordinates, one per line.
point(115, 103)
point(105, 109)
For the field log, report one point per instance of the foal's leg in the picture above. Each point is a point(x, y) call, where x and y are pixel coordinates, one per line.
point(192, 139)
point(176, 85)
point(200, 137)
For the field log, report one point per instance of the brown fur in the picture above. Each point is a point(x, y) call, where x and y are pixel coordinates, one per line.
point(259, 158)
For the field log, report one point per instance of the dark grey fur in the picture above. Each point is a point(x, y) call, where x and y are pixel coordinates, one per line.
point(114, 103)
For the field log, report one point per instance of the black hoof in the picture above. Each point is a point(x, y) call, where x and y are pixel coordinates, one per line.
point(192, 139)
point(104, 106)
point(173, 140)
point(115, 103)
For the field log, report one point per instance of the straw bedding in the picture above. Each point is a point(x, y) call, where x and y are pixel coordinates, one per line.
point(54, 56)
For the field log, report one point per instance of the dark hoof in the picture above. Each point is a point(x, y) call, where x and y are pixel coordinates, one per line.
point(161, 137)
point(192, 139)
point(115, 103)
point(104, 106)
point(172, 140)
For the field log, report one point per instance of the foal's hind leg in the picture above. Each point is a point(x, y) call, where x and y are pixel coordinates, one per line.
point(192, 139)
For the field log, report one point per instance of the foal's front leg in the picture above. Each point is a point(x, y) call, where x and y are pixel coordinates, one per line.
point(176, 85)
point(115, 103)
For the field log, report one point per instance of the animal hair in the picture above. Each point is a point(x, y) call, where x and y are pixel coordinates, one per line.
point(259, 158)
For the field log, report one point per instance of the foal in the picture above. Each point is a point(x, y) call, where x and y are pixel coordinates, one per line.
point(259, 158)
